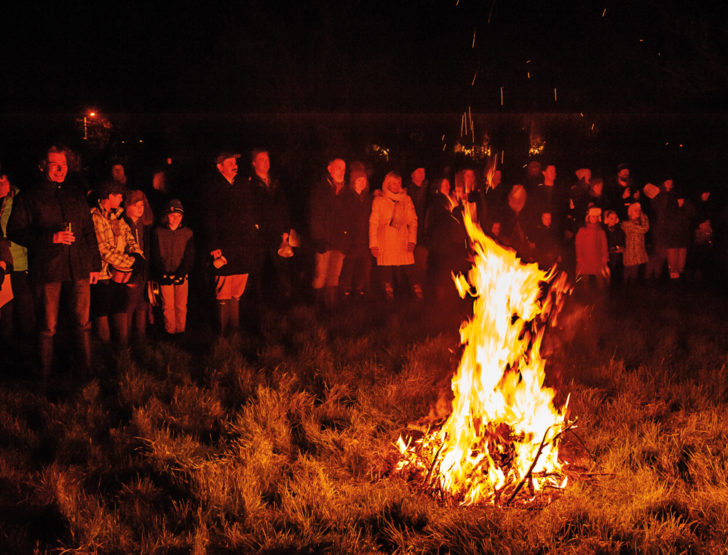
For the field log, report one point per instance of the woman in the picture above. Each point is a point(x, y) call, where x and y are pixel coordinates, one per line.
point(393, 235)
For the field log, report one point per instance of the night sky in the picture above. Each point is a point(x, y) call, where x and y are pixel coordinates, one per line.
point(395, 56)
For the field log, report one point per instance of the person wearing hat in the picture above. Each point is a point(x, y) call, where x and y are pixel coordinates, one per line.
point(121, 256)
point(172, 258)
point(592, 251)
point(53, 222)
point(231, 237)
point(635, 254)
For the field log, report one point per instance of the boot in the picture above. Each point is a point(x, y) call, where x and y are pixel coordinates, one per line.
point(45, 347)
point(83, 347)
point(234, 314)
point(223, 316)
point(121, 328)
point(101, 325)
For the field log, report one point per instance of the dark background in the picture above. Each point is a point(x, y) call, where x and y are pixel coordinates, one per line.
point(642, 82)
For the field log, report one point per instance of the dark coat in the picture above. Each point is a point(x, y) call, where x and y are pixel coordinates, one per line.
point(44, 210)
point(329, 226)
point(270, 211)
point(172, 251)
point(358, 208)
point(229, 224)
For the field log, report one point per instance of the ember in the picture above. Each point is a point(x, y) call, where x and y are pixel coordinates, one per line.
point(500, 443)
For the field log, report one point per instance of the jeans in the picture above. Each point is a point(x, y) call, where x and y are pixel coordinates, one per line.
point(49, 298)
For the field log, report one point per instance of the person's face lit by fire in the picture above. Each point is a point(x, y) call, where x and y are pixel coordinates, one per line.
point(114, 201)
point(136, 210)
point(228, 168)
point(459, 193)
point(4, 186)
point(546, 219)
point(394, 184)
point(668, 184)
point(612, 219)
point(418, 176)
point(549, 174)
point(118, 173)
point(623, 176)
point(597, 188)
point(360, 183)
point(261, 163)
point(497, 178)
point(704, 196)
point(57, 166)
point(337, 170)
point(634, 211)
point(174, 220)
point(444, 187)
point(495, 229)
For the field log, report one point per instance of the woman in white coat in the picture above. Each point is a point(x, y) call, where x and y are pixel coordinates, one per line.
point(393, 235)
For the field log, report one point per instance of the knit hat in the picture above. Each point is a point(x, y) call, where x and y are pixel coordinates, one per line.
point(174, 205)
point(220, 158)
point(133, 196)
point(108, 188)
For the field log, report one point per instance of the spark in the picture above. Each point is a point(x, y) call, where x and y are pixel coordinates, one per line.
point(556, 98)
point(474, 31)
point(604, 12)
point(474, 78)
point(501, 95)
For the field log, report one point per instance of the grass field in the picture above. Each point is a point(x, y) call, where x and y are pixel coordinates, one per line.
point(284, 442)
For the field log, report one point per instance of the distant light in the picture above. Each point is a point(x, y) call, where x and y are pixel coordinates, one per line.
point(92, 114)
point(169, 161)
point(141, 141)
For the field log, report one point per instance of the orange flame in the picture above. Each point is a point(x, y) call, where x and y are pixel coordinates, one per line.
point(503, 433)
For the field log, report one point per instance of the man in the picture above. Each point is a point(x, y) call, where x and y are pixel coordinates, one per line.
point(20, 310)
point(272, 217)
point(418, 192)
point(53, 221)
point(231, 236)
point(329, 232)
point(623, 192)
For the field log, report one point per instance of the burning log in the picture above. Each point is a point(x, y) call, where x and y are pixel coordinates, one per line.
point(500, 442)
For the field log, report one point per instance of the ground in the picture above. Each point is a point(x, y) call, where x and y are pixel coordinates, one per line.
point(283, 440)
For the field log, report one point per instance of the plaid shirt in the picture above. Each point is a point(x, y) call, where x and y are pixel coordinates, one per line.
point(115, 239)
point(634, 244)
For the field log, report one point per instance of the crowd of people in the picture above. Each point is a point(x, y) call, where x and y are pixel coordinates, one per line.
point(109, 260)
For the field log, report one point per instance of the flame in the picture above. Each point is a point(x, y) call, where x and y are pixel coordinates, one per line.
point(502, 436)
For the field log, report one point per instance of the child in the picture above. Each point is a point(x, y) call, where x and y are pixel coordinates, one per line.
point(635, 253)
point(615, 242)
point(546, 240)
point(592, 254)
point(172, 257)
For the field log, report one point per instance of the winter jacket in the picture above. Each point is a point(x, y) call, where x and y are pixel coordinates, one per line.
point(635, 252)
point(115, 240)
point(229, 224)
point(358, 209)
point(270, 210)
point(18, 252)
point(172, 251)
point(592, 252)
point(392, 226)
point(38, 214)
point(329, 226)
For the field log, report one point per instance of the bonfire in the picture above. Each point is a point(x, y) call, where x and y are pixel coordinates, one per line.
point(501, 440)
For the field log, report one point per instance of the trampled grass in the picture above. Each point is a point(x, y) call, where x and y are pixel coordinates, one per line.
point(284, 442)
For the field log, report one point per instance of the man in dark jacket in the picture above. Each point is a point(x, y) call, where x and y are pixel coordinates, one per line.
point(329, 232)
point(53, 221)
point(231, 236)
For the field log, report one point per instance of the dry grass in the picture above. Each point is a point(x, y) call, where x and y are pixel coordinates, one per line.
point(285, 443)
